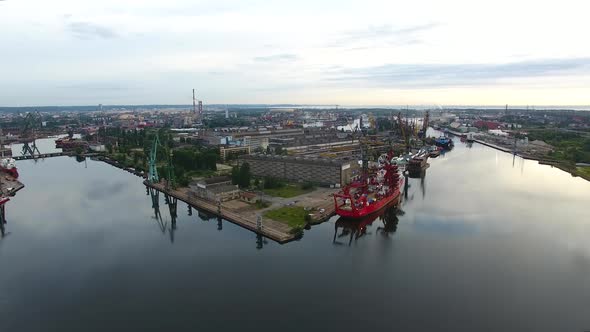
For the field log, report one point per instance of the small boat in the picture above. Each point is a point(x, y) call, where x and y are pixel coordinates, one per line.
point(418, 161)
point(444, 142)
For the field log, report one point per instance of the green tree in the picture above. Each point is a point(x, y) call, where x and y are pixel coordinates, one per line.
point(235, 175)
point(244, 176)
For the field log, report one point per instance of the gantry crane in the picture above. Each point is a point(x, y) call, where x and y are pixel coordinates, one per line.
point(31, 122)
point(153, 169)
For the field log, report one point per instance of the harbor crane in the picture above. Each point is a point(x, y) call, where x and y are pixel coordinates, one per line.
point(153, 176)
point(32, 121)
point(405, 135)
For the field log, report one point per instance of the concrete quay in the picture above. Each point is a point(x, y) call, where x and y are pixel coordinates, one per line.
point(271, 229)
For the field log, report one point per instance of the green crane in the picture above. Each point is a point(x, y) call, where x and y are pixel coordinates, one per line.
point(170, 180)
point(153, 172)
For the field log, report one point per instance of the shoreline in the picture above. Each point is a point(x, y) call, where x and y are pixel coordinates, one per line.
point(267, 230)
point(549, 162)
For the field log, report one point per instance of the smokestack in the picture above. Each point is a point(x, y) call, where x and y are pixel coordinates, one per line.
point(194, 103)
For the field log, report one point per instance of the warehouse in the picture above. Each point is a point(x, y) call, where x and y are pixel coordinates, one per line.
point(322, 171)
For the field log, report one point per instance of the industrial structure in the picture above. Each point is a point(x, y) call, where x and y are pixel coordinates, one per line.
point(322, 171)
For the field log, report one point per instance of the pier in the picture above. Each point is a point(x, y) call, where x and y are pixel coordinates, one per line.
point(40, 156)
point(271, 229)
point(8, 188)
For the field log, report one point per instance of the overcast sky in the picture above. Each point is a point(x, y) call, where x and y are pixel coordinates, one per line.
point(78, 52)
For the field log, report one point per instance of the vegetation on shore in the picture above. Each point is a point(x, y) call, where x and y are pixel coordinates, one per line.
point(570, 147)
point(584, 172)
point(294, 216)
point(277, 188)
point(132, 149)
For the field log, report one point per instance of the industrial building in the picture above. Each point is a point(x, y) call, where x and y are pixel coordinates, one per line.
point(322, 171)
point(215, 189)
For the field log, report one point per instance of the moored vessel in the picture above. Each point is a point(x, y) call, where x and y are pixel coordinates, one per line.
point(377, 187)
point(8, 166)
point(444, 142)
point(418, 162)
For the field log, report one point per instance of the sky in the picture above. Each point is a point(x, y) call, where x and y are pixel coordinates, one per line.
point(369, 52)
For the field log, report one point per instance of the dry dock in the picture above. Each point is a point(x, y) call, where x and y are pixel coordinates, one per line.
point(271, 229)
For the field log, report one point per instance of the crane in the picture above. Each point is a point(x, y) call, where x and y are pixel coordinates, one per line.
point(403, 131)
point(153, 169)
point(31, 122)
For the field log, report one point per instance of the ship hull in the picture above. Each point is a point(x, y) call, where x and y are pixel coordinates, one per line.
point(10, 171)
point(444, 144)
point(370, 209)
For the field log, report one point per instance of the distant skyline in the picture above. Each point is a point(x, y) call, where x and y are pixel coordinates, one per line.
point(65, 52)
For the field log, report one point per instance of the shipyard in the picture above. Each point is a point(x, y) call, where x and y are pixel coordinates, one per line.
point(273, 171)
point(198, 165)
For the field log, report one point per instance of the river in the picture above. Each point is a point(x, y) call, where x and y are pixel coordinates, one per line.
point(484, 242)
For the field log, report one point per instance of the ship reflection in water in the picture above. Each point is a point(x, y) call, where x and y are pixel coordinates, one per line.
point(358, 228)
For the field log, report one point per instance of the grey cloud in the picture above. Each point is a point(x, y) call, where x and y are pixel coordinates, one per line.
point(276, 57)
point(443, 75)
point(94, 86)
point(87, 30)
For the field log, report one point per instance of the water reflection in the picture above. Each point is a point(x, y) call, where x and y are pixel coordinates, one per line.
point(260, 241)
point(172, 203)
point(356, 229)
point(407, 185)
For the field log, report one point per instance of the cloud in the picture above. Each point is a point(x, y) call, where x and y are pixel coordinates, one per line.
point(99, 190)
point(444, 75)
point(379, 35)
point(276, 57)
point(87, 30)
point(387, 30)
point(95, 86)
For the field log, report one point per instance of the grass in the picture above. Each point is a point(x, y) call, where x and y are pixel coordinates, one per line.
point(261, 205)
point(200, 173)
point(287, 191)
point(584, 171)
point(293, 216)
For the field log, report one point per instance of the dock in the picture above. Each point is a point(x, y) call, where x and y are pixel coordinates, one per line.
point(8, 188)
point(40, 156)
point(269, 228)
point(9, 185)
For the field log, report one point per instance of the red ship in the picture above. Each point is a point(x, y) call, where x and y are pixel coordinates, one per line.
point(368, 193)
point(70, 143)
point(8, 166)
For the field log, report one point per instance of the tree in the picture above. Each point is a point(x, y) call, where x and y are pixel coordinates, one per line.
point(235, 175)
point(244, 176)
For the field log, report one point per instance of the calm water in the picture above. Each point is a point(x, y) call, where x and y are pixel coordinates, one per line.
point(485, 243)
